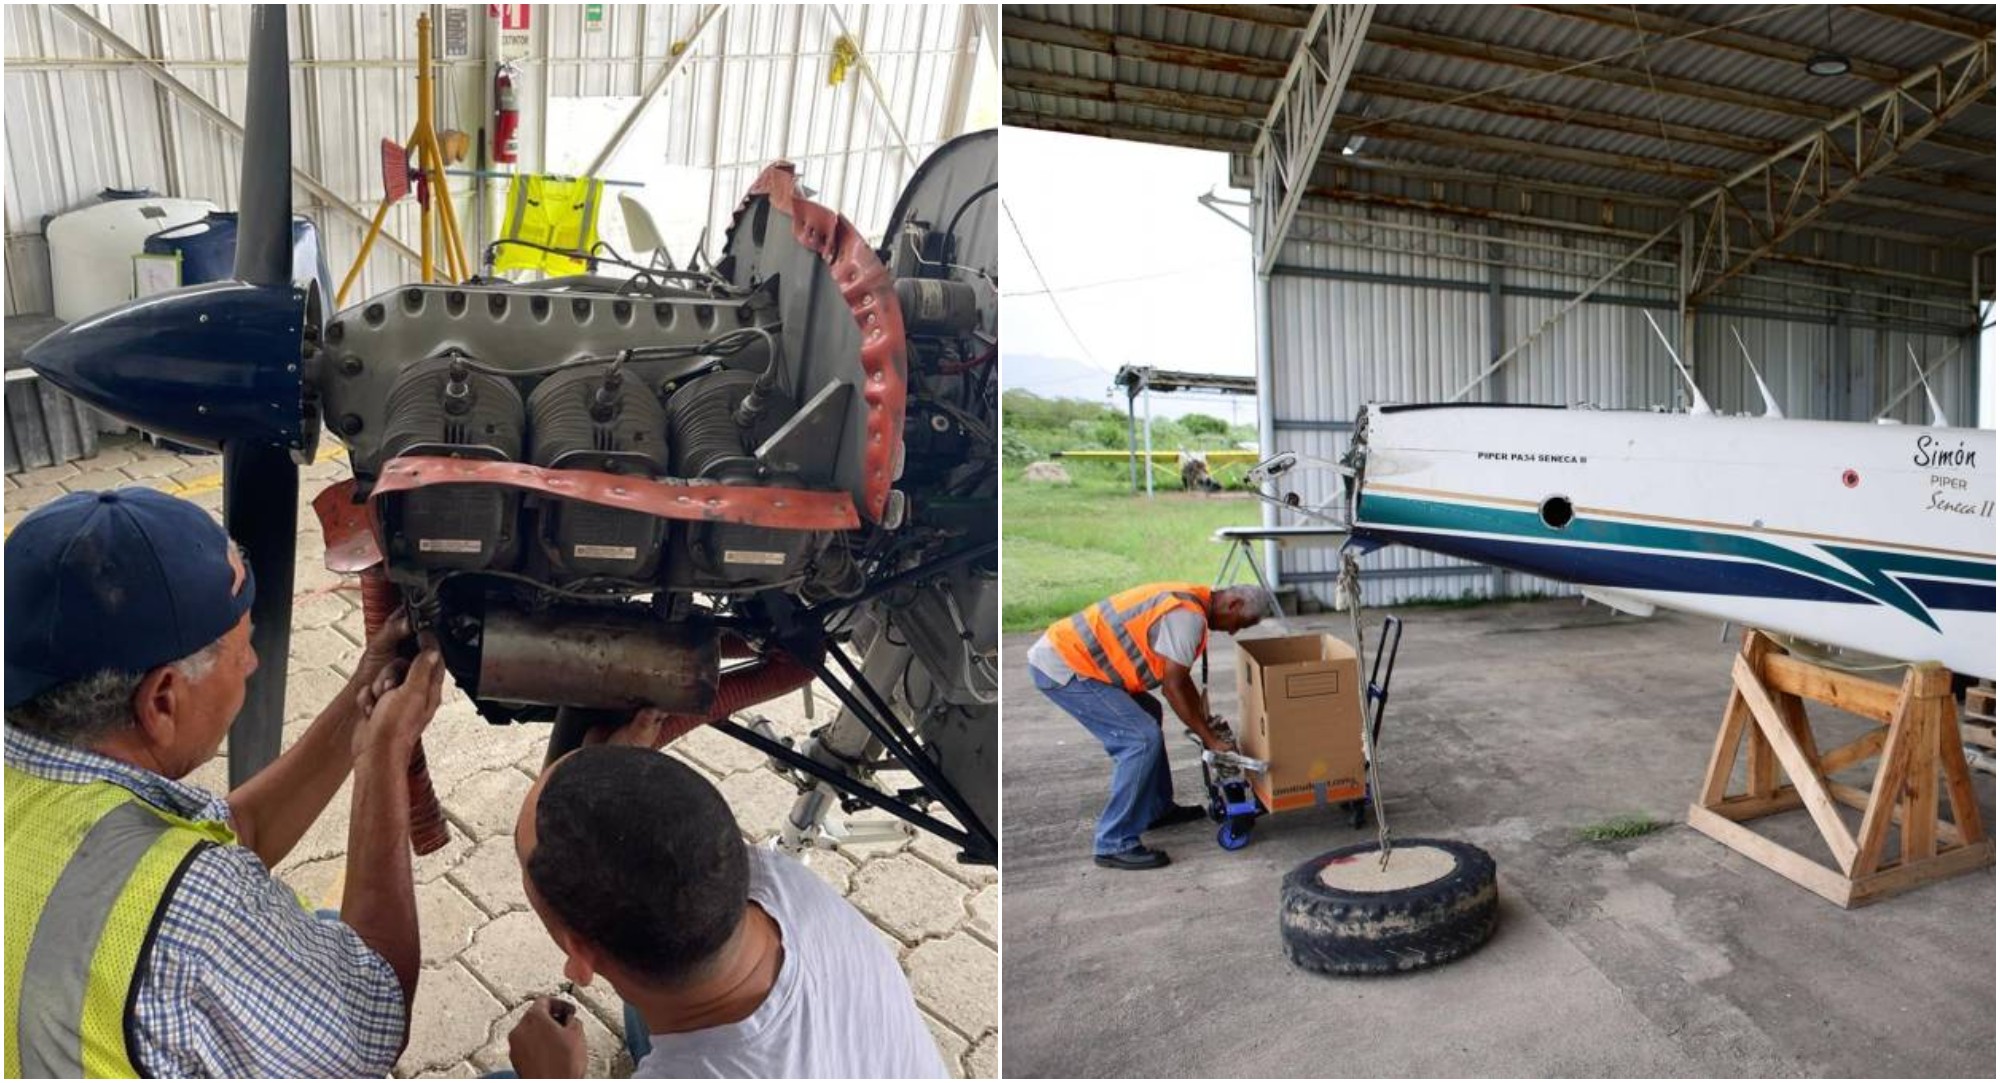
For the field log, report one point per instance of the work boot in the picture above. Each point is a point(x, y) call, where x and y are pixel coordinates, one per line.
point(1177, 814)
point(1138, 857)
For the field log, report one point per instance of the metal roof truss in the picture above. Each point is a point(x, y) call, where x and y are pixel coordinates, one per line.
point(1301, 114)
point(1748, 217)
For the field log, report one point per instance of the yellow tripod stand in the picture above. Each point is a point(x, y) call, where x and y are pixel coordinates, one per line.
point(438, 217)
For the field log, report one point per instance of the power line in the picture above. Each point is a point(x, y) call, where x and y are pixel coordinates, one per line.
point(1053, 290)
point(1044, 280)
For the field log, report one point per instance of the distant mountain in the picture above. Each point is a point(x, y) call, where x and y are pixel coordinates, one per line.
point(1054, 377)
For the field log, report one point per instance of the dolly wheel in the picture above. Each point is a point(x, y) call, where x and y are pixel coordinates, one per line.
point(1343, 913)
point(1234, 834)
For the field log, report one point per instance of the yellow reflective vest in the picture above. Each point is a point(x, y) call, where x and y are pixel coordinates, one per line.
point(89, 869)
point(549, 213)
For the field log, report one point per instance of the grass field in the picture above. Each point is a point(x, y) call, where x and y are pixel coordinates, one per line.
point(1065, 547)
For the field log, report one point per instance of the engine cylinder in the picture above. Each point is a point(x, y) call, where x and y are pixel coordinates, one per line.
point(701, 424)
point(709, 444)
point(438, 406)
point(441, 406)
point(590, 419)
point(593, 419)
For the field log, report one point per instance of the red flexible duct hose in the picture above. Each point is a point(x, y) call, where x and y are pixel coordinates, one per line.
point(427, 827)
point(745, 686)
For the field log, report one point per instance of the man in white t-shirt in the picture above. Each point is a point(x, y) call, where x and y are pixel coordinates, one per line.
point(1101, 666)
point(733, 961)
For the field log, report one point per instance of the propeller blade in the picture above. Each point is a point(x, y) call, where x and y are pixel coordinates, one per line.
point(260, 480)
point(264, 196)
point(260, 508)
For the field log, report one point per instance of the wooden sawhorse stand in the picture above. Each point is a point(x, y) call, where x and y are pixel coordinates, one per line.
point(1918, 739)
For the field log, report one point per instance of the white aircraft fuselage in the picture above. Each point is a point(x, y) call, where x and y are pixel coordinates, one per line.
point(1875, 538)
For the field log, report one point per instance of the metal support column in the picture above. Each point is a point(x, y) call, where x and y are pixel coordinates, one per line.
point(1146, 389)
point(1267, 415)
point(1687, 313)
point(1132, 435)
point(1841, 406)
point(1969, 414)
point(1496, 328)
point(1982, 311)
point(964, 62)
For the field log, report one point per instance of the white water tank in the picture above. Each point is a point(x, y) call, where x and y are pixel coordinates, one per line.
point(91, 249)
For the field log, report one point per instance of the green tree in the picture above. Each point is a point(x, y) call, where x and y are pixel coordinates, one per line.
point(1029, 410)
point(1204, 425)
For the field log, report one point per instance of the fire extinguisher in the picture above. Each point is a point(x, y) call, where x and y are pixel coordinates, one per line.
point(506, 116)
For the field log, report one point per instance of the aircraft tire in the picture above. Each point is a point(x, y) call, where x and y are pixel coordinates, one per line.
point(1340, 913)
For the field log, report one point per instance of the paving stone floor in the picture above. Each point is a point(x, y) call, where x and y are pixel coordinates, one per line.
point(485, 954)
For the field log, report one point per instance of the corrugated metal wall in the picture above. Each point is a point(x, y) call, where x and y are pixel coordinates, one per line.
point(1373, 305)
point(80, 119)
point(1340, 342)
point(758, 89)
point(755, 88)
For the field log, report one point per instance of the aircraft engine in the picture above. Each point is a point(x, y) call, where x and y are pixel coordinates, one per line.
point(593, 489)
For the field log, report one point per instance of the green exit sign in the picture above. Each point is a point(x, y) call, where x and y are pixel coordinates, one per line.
point(593, 16)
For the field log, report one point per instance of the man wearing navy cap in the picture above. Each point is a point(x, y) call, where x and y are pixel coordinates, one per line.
point(145, 932)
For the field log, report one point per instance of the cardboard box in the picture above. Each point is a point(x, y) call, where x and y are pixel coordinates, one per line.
point(1301, 703)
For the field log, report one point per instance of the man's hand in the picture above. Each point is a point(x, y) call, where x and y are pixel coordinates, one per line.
point(541, 1048)
point(397, 717)
point(274, 808)
point(646, 729)
point(388, 649)
point(1221, 737)
point(386, 679)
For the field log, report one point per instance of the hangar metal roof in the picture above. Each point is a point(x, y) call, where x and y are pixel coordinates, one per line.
point(1646, 105)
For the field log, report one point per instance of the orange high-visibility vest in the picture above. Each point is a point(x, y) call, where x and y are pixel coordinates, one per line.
point(1111, 641)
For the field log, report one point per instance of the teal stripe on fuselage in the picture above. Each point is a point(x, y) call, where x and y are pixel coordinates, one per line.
point(1878, 567)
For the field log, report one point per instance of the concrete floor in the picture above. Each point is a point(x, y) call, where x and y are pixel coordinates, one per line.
point(1510, 726)
point(485, 955)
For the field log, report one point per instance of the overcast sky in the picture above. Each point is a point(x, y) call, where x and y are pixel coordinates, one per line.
point(1095, 212)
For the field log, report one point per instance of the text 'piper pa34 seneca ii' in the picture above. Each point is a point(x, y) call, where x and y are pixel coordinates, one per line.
point(684, 490)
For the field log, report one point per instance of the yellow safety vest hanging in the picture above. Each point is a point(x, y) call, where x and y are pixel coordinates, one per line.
point(549, 213)
point(88, 867)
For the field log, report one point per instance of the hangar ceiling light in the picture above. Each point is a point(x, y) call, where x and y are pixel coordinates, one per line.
point(1826, 63)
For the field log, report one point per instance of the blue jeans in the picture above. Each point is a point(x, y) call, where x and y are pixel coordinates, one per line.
point(1142, 789)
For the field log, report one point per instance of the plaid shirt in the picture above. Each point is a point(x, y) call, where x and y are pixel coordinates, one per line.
point(242, 980)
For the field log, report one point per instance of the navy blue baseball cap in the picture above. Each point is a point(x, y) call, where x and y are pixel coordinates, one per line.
point(128, 579)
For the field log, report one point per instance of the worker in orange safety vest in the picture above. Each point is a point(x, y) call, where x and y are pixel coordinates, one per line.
point(1101, 666)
